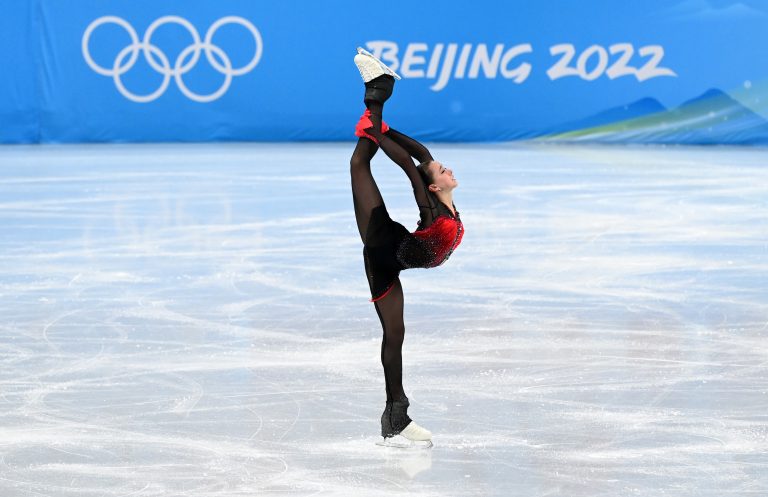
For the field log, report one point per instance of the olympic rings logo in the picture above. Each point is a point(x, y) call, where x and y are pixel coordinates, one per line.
point(157, 59)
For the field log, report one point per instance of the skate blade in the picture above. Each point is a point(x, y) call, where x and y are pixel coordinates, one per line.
point(400, 442)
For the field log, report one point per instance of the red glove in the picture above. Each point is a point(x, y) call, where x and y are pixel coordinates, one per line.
point(365, 123)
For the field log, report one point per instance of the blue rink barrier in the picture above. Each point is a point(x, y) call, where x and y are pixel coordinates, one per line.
point(659, 71)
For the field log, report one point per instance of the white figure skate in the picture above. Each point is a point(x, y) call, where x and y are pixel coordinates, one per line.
point(413, 436)
point(370, 67)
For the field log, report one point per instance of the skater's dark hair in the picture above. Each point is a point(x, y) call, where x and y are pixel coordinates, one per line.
point(425, 173)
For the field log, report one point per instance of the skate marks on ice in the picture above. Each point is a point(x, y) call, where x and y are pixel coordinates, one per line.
point(193, 320)
point(400, 442)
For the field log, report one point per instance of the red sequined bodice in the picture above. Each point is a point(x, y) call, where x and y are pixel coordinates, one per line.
point(441, 238)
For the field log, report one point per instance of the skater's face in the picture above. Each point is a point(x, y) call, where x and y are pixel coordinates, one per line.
point(442, 177)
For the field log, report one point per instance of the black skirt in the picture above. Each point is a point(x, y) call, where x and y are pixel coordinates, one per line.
point(389, 248)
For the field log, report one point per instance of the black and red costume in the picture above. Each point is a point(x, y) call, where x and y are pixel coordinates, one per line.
point(389, 247)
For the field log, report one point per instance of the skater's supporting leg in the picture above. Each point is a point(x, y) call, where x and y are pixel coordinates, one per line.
point(390, 311)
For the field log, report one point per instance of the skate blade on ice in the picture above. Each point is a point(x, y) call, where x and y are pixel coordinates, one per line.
point(400, 442)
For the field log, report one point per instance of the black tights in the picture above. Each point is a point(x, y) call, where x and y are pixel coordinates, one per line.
point(390, 312)
point(365, 193)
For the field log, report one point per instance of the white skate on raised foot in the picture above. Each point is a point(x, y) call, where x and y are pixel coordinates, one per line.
point(413, 436)
point(370, 67)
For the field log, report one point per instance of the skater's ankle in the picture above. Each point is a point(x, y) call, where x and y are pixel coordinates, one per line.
point(374, 106)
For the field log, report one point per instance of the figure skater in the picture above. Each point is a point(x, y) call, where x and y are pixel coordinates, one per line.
point(388, 246)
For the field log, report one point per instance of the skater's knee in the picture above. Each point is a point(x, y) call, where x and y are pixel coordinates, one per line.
point(395, 335)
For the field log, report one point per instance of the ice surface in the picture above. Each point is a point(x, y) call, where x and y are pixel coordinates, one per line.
point(193, 320)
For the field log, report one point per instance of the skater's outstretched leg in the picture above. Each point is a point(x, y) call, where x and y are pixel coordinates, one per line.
point(379, 83)
point(365, 193)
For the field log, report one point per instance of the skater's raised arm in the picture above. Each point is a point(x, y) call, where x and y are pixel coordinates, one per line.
point(413, 147)
point(428, 211)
